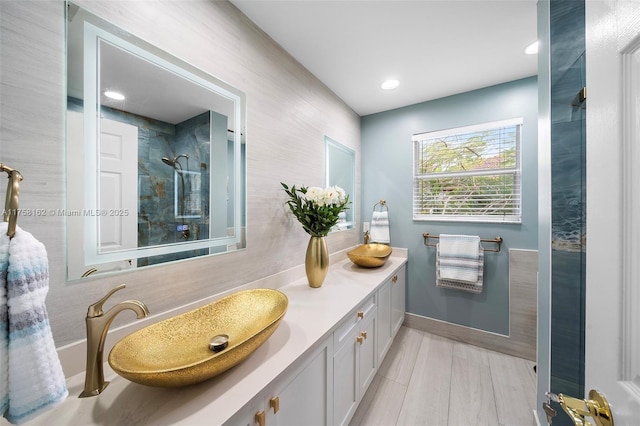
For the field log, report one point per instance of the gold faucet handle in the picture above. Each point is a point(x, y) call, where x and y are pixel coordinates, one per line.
point(95, 310)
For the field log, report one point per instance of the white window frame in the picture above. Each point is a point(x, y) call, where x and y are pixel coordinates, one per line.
point(418, 139)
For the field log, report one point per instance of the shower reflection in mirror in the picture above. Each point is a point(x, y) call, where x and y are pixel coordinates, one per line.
point(156, 144)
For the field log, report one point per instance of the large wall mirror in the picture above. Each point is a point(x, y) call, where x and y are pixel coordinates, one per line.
point(155, 154)
point(340, 170)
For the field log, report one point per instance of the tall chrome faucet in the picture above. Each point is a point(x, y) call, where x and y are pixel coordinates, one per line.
point(98, 323)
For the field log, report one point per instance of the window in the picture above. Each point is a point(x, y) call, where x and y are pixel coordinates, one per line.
point(468, 173)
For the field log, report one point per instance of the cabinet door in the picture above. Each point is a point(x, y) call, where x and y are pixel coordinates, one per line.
point(398, 282)
point(345, 384)
point(384, 320)
point(367, 356)
point(302, 399)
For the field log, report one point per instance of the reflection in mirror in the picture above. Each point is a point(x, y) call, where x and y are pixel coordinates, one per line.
point(155, 154)
point(340, 170)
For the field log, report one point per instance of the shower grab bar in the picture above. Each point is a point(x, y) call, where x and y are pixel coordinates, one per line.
point(11, 204)
point(496, 240)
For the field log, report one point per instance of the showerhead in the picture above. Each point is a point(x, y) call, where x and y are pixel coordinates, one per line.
point(174, 163)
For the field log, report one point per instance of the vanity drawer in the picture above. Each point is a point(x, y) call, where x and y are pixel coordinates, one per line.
point(343, 331)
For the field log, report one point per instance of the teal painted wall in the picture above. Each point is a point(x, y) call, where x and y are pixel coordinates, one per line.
point(387, 174)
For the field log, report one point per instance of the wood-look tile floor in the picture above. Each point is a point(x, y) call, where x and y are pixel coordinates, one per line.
point(428, 380)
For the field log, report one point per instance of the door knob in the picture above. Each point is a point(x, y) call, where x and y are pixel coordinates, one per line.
point(596, 407)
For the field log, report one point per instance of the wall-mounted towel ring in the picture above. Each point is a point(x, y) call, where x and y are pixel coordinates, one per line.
point(12, 203)
point(379, 230)
point(382, 204)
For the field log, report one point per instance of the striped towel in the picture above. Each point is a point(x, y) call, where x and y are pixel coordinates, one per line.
point(459, 257)
point(379, 231)
point(36, 379)
point(475, 287)
point(4, 319)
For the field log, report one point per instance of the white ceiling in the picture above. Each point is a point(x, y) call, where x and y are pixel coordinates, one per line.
point(435, 48)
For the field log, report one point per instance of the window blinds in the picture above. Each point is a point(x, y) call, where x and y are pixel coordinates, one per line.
point(469, 173)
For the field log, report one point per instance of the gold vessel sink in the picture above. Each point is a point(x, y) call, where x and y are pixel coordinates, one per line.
point(371, 255)
point(180, 351)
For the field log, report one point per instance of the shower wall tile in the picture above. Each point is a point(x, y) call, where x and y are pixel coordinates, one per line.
point(568, 196)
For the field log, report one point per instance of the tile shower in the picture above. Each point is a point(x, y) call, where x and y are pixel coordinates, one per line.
point(568, 161)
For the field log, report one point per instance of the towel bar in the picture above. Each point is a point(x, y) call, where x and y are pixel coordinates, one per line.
point(496, 240)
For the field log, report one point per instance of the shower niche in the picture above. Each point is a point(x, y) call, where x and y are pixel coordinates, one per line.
point(155, 154)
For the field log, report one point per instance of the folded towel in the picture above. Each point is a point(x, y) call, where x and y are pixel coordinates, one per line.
point(459, 257)
point(475, 287)
point(36, 379)
point(4, 318)
point(379, 230)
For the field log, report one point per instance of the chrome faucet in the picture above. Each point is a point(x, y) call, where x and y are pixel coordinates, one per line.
point(98, 323)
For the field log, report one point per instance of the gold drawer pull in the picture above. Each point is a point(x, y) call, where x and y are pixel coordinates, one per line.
point(275, 404)
point(394, 279)
point(364, 334)
point(360, 314)
point(360, 339)
point(260, 418)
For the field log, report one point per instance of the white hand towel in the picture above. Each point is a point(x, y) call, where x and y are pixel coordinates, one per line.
point(459, 257)
point(475, 287)
point(4, 319)
point(379, 230)
point(36, 379)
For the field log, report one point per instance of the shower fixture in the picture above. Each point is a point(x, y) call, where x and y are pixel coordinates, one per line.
point(185, 233)
point(175, 162)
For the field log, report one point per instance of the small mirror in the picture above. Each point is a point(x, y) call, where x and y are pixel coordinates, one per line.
point(155, 154)
point(340, 170)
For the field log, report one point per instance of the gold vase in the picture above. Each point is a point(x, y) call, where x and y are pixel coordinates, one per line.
point(316, 261)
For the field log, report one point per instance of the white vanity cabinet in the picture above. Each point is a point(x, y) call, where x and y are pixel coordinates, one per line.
point(391, 306)
point(354, 360)
point(302, 396)
point(385, 335)
point(398, 302)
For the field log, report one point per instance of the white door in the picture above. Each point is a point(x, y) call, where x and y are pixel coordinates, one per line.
point(612, 349)
point(119, 193)
point(118, 186)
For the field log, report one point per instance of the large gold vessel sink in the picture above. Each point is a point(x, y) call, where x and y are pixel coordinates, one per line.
point(176, 351)
point(370, 255)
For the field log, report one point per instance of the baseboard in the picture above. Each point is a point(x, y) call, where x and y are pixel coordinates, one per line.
point(484, 339)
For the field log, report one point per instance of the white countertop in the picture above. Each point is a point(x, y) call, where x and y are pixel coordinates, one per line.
point(312, 315)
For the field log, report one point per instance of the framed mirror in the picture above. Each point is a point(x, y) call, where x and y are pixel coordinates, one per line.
point(155, 154)
point(340, 170)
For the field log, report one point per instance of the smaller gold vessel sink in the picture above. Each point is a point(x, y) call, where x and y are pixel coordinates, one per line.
point(202, 343)
point(370, 255)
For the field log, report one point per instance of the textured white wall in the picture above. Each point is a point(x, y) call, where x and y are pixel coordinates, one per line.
point(288, 114)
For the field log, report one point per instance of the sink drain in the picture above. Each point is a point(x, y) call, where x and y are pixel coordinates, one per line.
point(219, 342)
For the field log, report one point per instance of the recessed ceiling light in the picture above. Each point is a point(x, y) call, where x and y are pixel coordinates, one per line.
point(532, 49)
point(114, 95)
point(390, 84)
